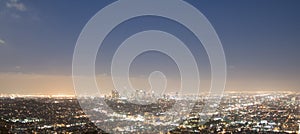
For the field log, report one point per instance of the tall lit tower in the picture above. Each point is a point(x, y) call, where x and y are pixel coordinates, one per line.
point(299, 127)
point(115, 94)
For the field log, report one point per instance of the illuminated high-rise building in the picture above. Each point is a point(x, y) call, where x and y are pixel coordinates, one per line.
point(115, 94)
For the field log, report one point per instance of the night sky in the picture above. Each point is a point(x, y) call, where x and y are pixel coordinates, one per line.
point(261, 40)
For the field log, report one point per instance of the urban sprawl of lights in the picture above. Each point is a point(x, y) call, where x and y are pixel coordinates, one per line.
point(236, 113)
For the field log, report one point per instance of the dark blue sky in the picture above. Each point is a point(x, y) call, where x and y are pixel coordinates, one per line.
point(261, 39)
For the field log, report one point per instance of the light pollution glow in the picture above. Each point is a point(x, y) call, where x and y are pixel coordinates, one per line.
point(37, 84)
